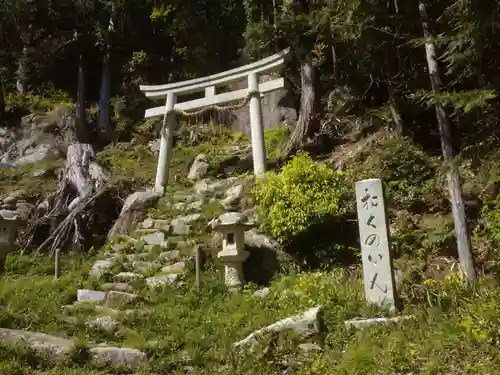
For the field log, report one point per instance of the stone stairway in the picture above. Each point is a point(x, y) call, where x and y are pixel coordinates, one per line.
point(159, 252)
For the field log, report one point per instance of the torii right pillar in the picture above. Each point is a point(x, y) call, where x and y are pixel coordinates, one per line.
point(257, 127)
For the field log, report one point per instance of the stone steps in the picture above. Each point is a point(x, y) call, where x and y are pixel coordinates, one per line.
point(156, 255)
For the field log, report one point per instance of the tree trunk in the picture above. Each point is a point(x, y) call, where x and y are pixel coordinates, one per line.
point(2, 98)
point(396, 115)
point(103, 125)
point(306, 123)
point(80, 184)
point(457, 203)
point(81, 129)
point(21, 72)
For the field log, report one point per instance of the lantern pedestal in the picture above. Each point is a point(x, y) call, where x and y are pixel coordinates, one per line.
point(233, 266)
point(233, 225)
point(8, 227)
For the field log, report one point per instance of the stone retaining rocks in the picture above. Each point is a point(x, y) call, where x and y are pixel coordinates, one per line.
point(55, 348)
point(170, 256)
point(100, 267)
point(159, 281)
point(120, 287)
point(154, 239)
point(117, 299)
point(105, 323)
point(174, 268)
point(119, 357)
point(127, 277)
point(305, 324)
point(85, 295)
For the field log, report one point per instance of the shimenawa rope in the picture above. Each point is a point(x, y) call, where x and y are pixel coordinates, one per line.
point(215, 107)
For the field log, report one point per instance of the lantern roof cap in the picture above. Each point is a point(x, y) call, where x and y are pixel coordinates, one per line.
point(230, 219)
point(9, 215)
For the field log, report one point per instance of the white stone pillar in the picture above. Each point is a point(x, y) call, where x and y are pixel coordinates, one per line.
point(256, 128)
point(166, 142)
point(378, 272)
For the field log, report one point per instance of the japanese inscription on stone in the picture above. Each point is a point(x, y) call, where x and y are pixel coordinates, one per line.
point(375, 243)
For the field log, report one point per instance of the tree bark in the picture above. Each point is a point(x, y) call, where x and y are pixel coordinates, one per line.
point(2, 98)
point(457, 203)
point(21, 72)
point(306, 122)
point(103, 125)
point(396, 115)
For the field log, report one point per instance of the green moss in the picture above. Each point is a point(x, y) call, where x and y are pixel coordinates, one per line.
point(21, 178)
point(412, 177)
point(212, 210)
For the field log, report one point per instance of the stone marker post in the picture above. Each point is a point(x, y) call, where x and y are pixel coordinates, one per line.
point(378, 270)
point(198, 266)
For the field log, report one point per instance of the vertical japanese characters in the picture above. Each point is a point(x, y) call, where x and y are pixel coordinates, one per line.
point(375, 243)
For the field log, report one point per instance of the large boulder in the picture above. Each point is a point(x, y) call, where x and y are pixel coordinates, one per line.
point(199, 168)
point(37, 139)
point(278, 109)
point(133, 211)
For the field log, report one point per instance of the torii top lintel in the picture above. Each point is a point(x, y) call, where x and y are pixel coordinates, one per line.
point(197, 84)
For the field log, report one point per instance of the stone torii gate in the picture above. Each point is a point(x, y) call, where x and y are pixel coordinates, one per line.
point(212, 100)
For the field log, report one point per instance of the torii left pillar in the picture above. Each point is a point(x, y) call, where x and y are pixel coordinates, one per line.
point(166, 143)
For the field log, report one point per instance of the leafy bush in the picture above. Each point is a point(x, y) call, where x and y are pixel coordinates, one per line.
point(275, 139)
point(487, 232)
point(28, 102)
point(303, 193)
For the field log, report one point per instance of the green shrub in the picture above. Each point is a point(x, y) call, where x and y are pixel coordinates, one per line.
point(300, 195)
point(487, 232)
point(28, 102)
point(275, 139)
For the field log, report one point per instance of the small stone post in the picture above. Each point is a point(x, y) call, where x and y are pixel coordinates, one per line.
point(8, 227)
point(166, 142)
point(198, 266)
point(57, 264)
point(233, 225)
point(378, 272)
point(256, 128)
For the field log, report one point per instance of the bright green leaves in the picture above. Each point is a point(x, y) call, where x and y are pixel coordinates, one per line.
point(299, 195)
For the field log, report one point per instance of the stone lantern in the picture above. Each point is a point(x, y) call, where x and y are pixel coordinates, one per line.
point(8, 226)
point(232, 226)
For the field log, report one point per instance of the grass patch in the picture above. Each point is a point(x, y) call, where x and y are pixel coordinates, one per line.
point(33, 298)
point(456, 327)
